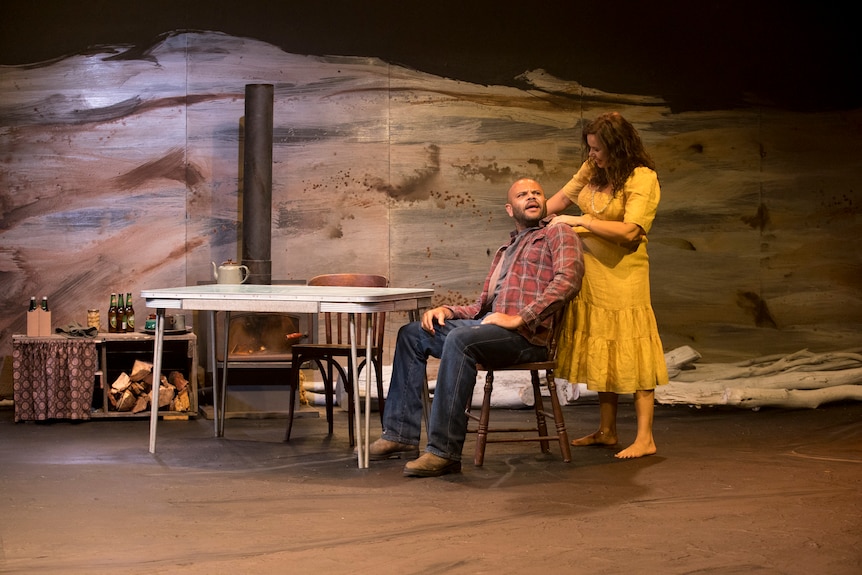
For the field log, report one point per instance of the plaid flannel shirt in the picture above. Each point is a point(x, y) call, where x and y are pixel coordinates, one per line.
point(544, 276)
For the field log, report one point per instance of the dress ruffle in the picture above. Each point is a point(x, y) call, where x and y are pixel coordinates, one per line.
point(610, 350)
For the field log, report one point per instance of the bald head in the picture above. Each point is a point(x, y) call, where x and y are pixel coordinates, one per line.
point(526, 203)
point(522, 185)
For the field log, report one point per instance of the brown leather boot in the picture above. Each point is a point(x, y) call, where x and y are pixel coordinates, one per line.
point(430, 465)
point(383, 449)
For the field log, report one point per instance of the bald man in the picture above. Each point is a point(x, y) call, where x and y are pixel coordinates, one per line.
point(531, 278)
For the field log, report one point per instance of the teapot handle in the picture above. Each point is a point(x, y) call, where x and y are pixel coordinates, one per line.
point(245, 273)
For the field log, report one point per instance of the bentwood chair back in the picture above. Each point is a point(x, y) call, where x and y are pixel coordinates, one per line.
point(329, 354)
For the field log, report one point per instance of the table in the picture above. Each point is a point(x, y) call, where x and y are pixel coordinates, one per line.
point(282, 299)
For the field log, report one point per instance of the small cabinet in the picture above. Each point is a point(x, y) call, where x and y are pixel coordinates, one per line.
point(55, 377)
point(118, 353)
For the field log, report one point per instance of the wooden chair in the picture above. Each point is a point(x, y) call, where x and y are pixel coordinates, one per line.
point(541, 427)
point(336, 344)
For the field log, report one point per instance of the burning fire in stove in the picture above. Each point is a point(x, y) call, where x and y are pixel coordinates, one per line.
point(262, 334)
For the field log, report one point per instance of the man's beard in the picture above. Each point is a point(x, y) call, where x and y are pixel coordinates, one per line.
point(530, 222)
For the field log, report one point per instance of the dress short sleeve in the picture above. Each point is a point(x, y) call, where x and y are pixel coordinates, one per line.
point(642, 193)
point(577, 183)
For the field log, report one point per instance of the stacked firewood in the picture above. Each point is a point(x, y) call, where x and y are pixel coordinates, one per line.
point(134, 393)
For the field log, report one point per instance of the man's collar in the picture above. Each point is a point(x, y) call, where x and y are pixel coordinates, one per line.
point(542, 223)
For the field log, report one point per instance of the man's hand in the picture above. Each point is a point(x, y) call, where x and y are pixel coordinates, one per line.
point(511, 322)
point(440, 314)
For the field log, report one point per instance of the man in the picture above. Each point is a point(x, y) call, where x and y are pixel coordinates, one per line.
point(531, 279)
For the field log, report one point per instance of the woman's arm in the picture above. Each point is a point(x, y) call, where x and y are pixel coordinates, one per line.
point(558, 203)
point(612, 231)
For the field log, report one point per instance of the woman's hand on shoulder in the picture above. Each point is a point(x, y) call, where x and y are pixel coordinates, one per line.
point(568, 220)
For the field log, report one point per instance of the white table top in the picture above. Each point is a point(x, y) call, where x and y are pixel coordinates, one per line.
point(298, 298)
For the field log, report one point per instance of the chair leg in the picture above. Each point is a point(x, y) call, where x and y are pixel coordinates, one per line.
point(484, 417)
point(381, 400)
point(294, 389)
point(328, 391)
point(347, 378)
point(562, 434)
point(539, 407)
point(426, 402)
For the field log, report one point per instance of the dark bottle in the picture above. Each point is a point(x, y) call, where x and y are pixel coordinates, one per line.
point(130, 313)
point(32, 303)
point(121, 315)
point(112, 315)
point(44, 303)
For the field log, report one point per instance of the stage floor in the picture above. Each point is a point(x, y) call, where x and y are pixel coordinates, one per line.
point(730, 491)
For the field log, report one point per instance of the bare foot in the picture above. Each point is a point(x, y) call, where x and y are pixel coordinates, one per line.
point(637, 449)
point(597, 438)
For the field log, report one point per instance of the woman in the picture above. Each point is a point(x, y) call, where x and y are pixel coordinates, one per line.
point(609, 338)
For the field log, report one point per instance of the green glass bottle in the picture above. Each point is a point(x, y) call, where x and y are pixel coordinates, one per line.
point(130, 313)
point(121, 314)
point(112, 315)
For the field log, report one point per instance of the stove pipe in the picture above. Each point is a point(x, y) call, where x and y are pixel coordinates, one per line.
point(257, 184)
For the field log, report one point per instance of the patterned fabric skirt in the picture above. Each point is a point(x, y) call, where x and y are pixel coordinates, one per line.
point(53, 378)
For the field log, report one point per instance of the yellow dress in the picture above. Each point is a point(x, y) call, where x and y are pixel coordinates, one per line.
point(609, 338)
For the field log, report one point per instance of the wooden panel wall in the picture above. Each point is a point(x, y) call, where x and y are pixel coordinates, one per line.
point(124, 173)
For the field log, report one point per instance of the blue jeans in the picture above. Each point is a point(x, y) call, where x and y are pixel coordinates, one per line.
point(460, 344)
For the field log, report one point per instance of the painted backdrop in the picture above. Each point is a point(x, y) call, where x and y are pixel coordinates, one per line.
point(120, 171)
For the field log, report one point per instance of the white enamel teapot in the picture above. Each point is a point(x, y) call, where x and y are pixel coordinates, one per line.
point(230, 272)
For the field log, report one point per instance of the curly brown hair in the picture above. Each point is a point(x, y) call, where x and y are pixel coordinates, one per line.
point(624, 147)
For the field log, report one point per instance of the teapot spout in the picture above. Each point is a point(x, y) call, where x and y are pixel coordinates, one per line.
point(215, 271)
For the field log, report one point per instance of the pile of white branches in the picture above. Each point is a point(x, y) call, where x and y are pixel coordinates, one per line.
point(801, 379)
